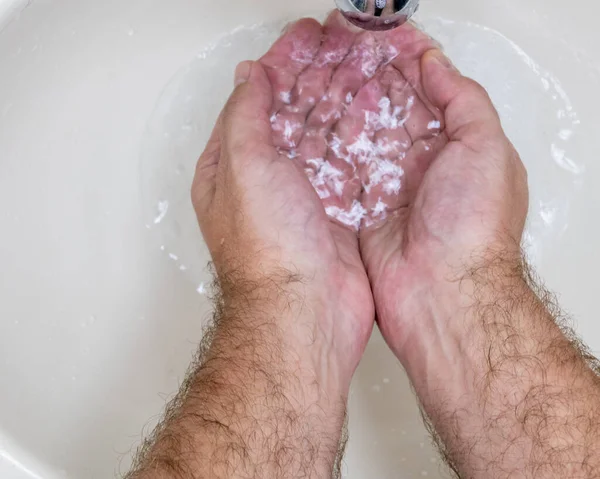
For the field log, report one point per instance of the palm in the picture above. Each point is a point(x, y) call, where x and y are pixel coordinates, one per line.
point(304, 109)
point(351, 112)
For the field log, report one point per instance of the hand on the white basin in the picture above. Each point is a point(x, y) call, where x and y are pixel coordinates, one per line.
point(384, 121)
point(420, 184)
point(265, 226)
point(509, 395)
point(464, 195)
point(296, 308)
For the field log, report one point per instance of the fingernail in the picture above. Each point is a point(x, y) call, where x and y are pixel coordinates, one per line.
point(442, 59)
point(242, 73)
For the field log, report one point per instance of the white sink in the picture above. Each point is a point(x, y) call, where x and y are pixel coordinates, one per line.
point(98, 323)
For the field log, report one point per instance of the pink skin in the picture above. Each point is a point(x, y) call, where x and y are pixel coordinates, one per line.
point(259, 214)
point(367, 67)
point(462, 184)
point(451, 200)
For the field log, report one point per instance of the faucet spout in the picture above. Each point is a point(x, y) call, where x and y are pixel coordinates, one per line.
point(378, 14)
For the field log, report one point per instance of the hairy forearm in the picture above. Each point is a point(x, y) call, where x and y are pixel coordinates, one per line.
point(508, 393)
point(255, 405)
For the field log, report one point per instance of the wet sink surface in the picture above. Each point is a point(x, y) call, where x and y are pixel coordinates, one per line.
point(99, 322)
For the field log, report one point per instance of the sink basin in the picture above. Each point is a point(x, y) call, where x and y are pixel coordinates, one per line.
point(100, 315)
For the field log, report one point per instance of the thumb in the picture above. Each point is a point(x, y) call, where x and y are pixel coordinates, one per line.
point(246, 123)
point(469, 114)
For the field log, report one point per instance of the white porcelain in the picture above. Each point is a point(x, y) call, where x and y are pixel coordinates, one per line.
point(98, 324)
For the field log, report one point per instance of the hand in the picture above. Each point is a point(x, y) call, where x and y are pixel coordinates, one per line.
point(265, 227)
point(463, 203)
point(365, 126)
point(507, 392)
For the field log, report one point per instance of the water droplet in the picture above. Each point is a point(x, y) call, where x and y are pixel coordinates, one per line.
point(201, 289)
point(376, 388)
point(424, 473)
point(386, 380)
point(565, 134)
point(163, 208)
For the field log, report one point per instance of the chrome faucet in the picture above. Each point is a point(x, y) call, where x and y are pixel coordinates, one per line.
point(378, 14)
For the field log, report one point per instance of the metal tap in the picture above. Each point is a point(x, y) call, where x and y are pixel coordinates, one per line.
point(378, 14)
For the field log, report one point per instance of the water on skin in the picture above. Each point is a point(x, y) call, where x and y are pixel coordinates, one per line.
point(536, 112)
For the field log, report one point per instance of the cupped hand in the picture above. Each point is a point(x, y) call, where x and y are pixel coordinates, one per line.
point(265, 226)
point(462, 205)
point(403, 149)
point(399, 150)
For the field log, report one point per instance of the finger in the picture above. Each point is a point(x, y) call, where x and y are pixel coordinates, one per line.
point(350, 149)
point(314, 80)
point(334, 174)
point(289, 56)
point(469, 113)
point(351, 139)
point(401, 148)
point(406, 45)
point(359, 66)
point(246, 130)
point(416, 118)
point(312, 84)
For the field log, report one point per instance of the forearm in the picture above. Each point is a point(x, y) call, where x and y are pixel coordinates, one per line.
point(259, 404)
point(507, 392)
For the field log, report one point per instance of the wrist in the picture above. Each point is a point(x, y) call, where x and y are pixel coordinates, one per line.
point(451, 299)
point(279, 326)
point(321, 315)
